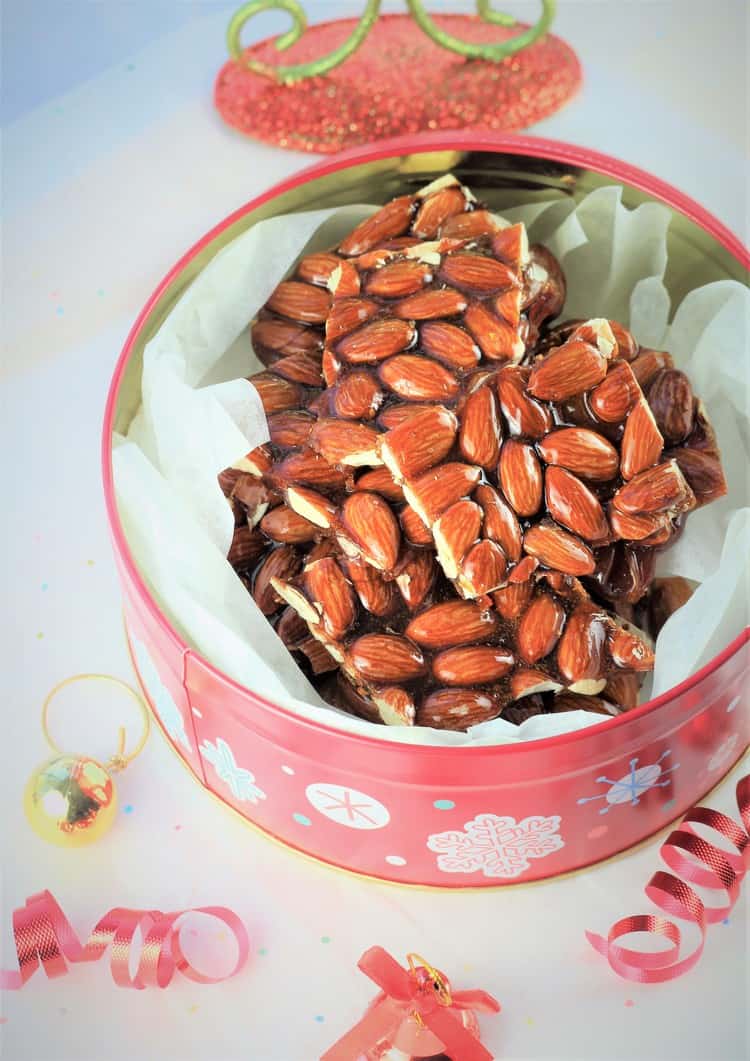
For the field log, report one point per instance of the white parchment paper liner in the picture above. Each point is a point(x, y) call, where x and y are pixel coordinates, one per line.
point(197, 417)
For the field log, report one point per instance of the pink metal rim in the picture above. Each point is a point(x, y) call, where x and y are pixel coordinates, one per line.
point(556, 151)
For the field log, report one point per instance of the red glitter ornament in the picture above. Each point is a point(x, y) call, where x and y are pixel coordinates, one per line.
point(398, 81)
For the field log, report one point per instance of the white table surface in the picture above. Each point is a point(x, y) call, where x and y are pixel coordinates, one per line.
point(105, 183)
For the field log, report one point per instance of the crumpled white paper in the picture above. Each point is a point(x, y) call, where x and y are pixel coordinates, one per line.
point(198, 416)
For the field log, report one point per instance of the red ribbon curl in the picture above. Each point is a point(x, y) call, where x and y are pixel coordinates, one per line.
point(43, 935)
point(406, 994)
point(697, 861)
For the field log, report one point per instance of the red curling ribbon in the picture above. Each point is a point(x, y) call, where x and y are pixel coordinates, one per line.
point(43, 935)
point(413, 993)
point(699, 862)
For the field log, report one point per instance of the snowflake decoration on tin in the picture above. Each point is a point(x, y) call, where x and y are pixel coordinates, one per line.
point(240, 781)
point(723, 753)
point(166, 708)
point(347, 806)
point(633, 785)
point(498, 846)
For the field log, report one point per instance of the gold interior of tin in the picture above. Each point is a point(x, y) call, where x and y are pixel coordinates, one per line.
point(500, 180)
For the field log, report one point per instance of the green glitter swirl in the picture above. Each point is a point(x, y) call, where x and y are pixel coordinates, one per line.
point(289, 74)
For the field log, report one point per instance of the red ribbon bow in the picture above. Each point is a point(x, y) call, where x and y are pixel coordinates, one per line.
point(408, 993)
point(683, 851)
point(43, 934)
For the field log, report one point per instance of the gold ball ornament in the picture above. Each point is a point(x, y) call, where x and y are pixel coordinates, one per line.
point(71, 800)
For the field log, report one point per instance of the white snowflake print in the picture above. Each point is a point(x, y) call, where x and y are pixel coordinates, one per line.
point(633, 785)
point(723, 753)
point(347, 806)
point(240, 781)
point(166, 708)
point(499, 847)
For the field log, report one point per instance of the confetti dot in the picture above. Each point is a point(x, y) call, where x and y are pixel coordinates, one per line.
point(59, 311)
point(725, 921)
point(600, 830)
point(530, 1020)
point(3, 1020)
point(325, 939)
point(90, 563)
point(629, 1002)
point(319, 1019)
point(192, 1009)
point(177, 828)
point(45, 587)
point(288, 770)
point(193, 932)
point(128, 809)
point(54, 294)
point(263, 950)
point(301, 819)
point(395, 860)
point(100, 292)
point(39, 635)
point(444, 804)
point(130, 66)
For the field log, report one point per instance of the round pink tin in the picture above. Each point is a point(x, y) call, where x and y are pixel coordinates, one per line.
point(442, 816)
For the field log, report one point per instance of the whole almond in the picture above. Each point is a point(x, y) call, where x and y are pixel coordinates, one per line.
point(567, 370)
point(567, 701)
point(391, 220)
point(380, 481)
point(497, 339)
point(703, 472)
point(330, 366)
point(292, 628)
point(642, 443)
point(428, 305)
point(437, 489)
point(452, 623)
point(524, 569)
point(580, 651)
point(375, 342)
point(276, 393)
point(258, 461)
point(435, 211)
point(480, 435)
point(528, 682)
point(284, 337)
point(316, 268)
point(449, 344)
point(473, 665)
point(457, 709)
point(398, 413)
point(300, 368)
point(558, 549)
point(418, 378)
point(415, 576)
point(512, 600)
point(659, 489)
point(248, 545)
point(420, 442)
point(300, 302)
point(523, 415)
point(386, 658)
point(627, 347)
point(454, 532)
point(370, 523)
point(344, 281)
point(329, 589)
point(357, 397)
point(348, 314)
point(483, 569)
point(500, 523)
point(313, 506)
point(290, 428)
point(511, 245)
point(648, 364)
point(508, 306)
point(616, 395)
point(571, 503)
point(283, 524)
point(395, 706)
point(622, 689)
point(630, 651)
point(520, 477)
point(319, 657)
point(398, 279)
point(281, 563)
point(254, 497)
point(469, 225)
point(307, 467)
point(671, 399)
point(346, 443)
point(635, 528)
point(540, 628)
point(545, 293)
point(377, 596)
point(581, 451)
point(476, 272)
point(414, 528)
